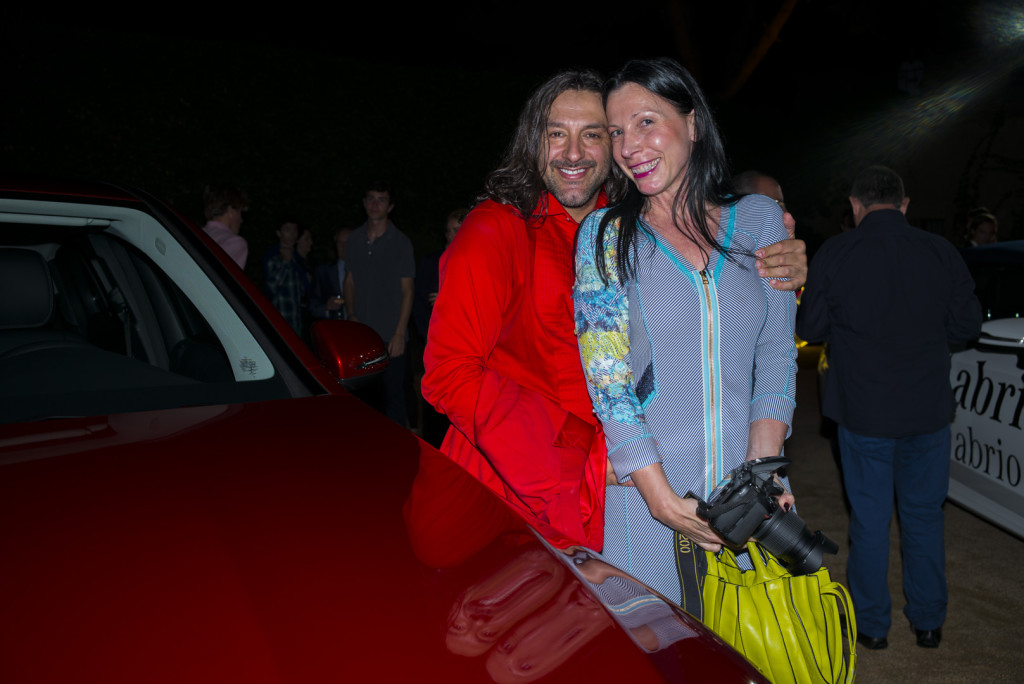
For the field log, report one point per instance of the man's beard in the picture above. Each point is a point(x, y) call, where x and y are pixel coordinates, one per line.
point(572, 194)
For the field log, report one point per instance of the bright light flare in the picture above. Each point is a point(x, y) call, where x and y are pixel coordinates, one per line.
point(909, 124)
point(1001, 24)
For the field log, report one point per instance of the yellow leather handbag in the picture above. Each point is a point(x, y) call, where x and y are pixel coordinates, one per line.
point(795, 629)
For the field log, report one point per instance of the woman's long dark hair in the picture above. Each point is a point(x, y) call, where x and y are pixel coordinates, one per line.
point(706, 181)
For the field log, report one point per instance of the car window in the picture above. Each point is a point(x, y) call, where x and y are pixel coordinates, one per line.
point(135, 323)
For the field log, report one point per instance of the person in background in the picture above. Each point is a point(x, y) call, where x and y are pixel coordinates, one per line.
point(328, 299)
point(756, 183)
point(285, 275)
point(303, 248)
point(428, 274)
point(379, 290)
point(982, 228)
point(223, 206)
point(435, 424)
point(889, 299)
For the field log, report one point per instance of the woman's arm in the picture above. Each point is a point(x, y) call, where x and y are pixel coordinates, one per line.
point(602, 330)
point(672, 510)
point(766, 438)
point(773, 398)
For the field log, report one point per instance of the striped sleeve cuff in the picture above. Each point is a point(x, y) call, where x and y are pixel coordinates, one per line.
point(633, 454)
point(778, 407)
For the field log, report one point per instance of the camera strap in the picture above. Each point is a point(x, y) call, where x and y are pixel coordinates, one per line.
point(692, 567)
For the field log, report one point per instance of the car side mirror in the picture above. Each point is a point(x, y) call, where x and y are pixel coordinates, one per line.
point(352, 352)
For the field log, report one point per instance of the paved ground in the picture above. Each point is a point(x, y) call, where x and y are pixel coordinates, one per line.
point(983, 638)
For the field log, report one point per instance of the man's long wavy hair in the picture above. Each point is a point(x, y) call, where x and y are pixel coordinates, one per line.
point(519, 180)
point(707, 179)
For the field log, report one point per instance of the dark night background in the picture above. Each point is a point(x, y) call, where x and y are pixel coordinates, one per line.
point(300, 108)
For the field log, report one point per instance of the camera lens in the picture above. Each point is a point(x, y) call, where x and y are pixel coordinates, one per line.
point(786, 535)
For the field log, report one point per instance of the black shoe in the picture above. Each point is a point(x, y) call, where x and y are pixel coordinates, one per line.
point(928, 638)
point(872, 643)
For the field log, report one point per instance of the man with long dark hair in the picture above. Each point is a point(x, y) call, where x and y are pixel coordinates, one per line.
point(501, 358)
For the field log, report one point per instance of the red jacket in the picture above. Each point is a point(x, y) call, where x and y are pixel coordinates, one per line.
point(502, 362)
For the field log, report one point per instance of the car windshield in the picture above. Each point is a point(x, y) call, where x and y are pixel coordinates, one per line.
point(104, 311)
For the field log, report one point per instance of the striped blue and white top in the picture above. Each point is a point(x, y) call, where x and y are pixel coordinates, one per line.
point(679, 362)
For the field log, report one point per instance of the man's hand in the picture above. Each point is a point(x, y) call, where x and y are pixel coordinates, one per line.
point(786, 259)
point(790, 223)
point(396, 347)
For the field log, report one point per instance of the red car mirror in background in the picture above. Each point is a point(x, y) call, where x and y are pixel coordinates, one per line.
point(351, 352)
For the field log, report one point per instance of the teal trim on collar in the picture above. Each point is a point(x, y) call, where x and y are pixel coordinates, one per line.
point(730, 228)
point(684, 266)
point(666, 250)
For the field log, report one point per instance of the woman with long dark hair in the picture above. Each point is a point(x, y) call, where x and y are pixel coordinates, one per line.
point(688, 352)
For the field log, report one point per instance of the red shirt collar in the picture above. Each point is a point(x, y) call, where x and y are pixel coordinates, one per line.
point(549, 206)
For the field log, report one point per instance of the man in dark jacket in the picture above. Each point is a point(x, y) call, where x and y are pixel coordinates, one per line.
point(889, 298)
point(328, 299)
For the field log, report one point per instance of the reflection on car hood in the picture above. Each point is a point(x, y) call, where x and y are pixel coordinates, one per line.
point(227, 544)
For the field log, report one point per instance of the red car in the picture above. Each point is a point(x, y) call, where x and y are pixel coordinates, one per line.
point(188, 494)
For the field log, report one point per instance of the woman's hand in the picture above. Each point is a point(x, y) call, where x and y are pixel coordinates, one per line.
point(672, 510)
point(765, 441)
point(681, 515)
point(786, 500)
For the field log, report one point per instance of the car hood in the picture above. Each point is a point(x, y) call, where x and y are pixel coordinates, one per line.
point(1004, 332)
point(269, 542)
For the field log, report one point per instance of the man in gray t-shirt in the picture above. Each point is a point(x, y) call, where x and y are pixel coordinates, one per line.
point(379, 288)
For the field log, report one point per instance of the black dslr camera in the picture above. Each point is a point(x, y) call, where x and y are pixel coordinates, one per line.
point(745, 507)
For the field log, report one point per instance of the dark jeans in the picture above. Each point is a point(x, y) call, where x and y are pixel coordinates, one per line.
point(916, 470)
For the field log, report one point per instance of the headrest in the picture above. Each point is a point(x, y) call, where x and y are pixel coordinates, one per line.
point(26, 290)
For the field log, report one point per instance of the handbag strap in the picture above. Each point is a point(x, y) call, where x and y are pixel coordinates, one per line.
point(842, 597)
